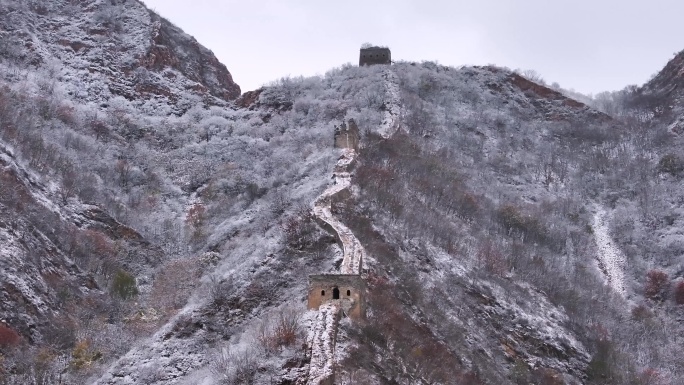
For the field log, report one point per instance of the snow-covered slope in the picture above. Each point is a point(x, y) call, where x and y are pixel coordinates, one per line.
point(154, 232)
point(99, 49)
point(610, 258)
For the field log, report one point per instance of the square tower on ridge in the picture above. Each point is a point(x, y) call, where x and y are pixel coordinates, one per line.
point(370, 55)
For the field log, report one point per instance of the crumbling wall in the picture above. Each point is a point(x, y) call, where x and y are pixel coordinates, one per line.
point(322, 365)
point(347, 136)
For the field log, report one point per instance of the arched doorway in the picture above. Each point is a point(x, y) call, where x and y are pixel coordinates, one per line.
point(336, 293)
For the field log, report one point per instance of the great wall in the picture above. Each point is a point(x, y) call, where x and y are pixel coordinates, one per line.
point(343, 293)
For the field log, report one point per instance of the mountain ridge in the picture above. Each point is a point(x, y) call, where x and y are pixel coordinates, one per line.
point(166, 237)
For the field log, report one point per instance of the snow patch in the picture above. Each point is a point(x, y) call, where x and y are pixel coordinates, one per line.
point(610, 258)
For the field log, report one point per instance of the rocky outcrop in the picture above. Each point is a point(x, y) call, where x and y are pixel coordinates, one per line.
point(249, 99)
point(662, 97)
point(43, 245)
point(171, 47)
point(114, 48)
point(669, 81)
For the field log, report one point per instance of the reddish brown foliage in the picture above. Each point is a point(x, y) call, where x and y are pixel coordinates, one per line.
point(492, 259)
point(641, 312)
point(546, 376)
point(174, 283)
point(679, 293)
point(66, 114)
point(8, 337)
point(99, 128)
point(651, 376)
point(415, 343)
point(195, 219)
point(195, 215)
point(543, 92)
point(300, 230)
point(656, 285)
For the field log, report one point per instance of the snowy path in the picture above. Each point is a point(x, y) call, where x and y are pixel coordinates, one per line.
point(353, 251)
point(390, 122)
point(322, 363)
point(611, 260)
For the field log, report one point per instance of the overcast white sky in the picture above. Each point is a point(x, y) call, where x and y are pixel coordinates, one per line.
point(588, 45)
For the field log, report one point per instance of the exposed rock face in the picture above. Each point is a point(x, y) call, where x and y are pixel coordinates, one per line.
point(662, 97)
point(41, 242)
point(669, 81)
point(249, 99)
point(114, 48)
point(171, 47)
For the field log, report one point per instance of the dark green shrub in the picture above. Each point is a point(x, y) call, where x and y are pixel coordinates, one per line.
point(670, 164)
point(123, 285)
point(514, 221)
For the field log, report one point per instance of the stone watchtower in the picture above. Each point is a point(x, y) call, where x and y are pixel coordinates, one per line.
point(347, 289)
point(375, 55)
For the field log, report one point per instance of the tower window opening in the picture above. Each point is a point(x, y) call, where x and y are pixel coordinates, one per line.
point(348, 293)
point(322, 293)
point(336, 293)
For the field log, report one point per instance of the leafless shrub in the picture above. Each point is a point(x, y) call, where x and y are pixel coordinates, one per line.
point(234, 367)
point(151, 374)
point(35, 366)
point(220, 291)
point(69, 184)
point(670, 164)
point(492, 259)
point(299, 229)
point(8, 337)
point(100, 129)
point(66, 114)
point(174, 283)
point(272, 334)
point(123, 169)
point(641, 312)
point(678, 293)
point(517, 222)
point(195, 218)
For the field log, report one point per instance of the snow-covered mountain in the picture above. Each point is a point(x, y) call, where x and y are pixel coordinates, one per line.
point(156, 226)
point(101, 49)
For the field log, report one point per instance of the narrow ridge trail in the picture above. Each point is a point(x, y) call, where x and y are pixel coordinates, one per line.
point(351, 247)
point(321, 367)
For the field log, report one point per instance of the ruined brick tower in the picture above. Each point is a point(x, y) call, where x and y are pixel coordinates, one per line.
point(347, 136)
point(348, 289)
point(375, 55)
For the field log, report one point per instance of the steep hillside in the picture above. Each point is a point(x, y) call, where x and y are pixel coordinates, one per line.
point(99, 49)
point(665, 89)
point(126, 222)
point(154, 231)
